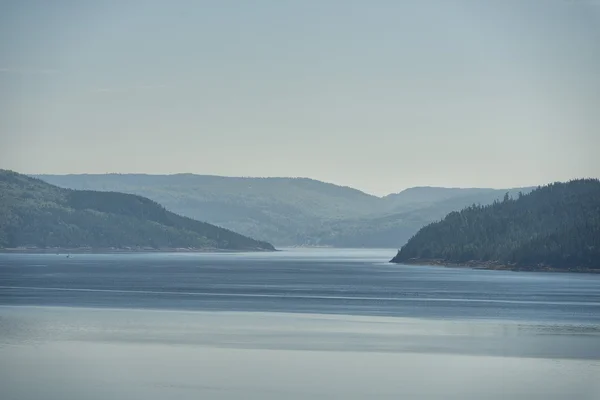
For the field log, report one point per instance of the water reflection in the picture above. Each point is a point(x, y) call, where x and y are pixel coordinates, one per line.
point(70, 353)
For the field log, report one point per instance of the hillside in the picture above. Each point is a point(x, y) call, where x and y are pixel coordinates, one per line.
point(291, 211)
point(393, 230)
point(279, 210)
point(34, 213)
point(423, 196)
point(554, 227)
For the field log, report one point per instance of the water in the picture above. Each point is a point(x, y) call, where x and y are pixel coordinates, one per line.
point(295, 324)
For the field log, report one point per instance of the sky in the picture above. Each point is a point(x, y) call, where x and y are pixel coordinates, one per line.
point(377, 95)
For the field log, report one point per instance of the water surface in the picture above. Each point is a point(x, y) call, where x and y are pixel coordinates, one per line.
point(297, 324)
point(355, 282)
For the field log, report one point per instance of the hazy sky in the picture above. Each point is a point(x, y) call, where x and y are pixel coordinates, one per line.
point(378, 95)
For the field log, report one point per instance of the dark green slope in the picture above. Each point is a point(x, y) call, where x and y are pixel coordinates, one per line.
point(556, 226)
point(37, 214)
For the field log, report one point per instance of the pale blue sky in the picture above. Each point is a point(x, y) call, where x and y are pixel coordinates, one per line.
point(378, 95)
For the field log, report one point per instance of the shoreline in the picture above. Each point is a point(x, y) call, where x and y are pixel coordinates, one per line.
point(111, 250)
point(494, 266)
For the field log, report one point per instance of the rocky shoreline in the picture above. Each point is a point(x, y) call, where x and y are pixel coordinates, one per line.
point(492, 265)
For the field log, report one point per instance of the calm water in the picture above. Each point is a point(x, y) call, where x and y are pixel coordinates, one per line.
point(294, 324)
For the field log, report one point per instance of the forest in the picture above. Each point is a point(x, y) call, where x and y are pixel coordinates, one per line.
point(36, 214)
point(556, 226)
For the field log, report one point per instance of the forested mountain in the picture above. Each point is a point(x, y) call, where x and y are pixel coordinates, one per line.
point(291, 211)
point(555, 226)
point(34, 213)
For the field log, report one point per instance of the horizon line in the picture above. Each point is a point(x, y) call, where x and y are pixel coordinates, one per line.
point(296, 177)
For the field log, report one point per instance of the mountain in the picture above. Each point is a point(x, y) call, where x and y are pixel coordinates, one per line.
point(392, 230)
point(419, 197)
point(34, 213)
point(556, 226)
point(291, 211)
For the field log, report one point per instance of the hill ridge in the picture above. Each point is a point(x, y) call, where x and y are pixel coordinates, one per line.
point(556, 226)
point(289, 211)
point(35, 213)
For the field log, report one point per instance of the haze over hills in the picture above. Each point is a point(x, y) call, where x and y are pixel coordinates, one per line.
point(555, 226)
point(395, 228)
point(292, 211)
point(36, 214)
point(422, 195)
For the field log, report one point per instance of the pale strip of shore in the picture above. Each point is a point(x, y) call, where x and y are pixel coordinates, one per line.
point(494, 265)
point(120, 250)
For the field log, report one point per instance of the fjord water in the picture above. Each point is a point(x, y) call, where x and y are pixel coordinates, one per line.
point(294, 324)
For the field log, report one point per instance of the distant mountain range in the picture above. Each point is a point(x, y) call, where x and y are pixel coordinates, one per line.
point(554, 227)
point(292, 211)
point(36, 214)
